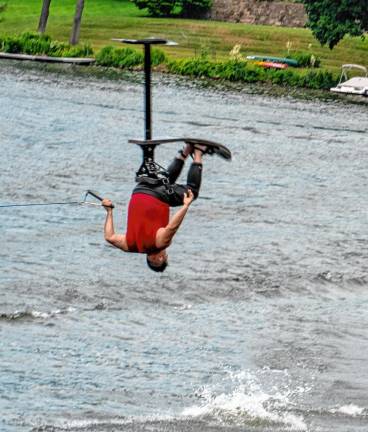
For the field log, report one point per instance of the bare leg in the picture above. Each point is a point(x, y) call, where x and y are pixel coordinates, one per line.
point(197, 157)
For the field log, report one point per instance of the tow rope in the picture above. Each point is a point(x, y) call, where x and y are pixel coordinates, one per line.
point(83, 202)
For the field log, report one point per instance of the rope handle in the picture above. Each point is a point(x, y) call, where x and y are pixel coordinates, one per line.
point(95, 195)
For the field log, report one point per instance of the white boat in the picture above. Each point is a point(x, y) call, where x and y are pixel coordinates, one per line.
point(357, 85)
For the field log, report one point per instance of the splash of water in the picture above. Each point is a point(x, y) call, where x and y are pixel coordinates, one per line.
point(250, 400)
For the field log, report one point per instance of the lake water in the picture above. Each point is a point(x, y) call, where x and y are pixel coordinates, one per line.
point(260, 322)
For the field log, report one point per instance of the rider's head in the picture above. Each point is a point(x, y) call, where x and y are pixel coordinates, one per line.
point(157, 261)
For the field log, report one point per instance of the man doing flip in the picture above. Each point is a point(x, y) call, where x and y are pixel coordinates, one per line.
point(150, 230)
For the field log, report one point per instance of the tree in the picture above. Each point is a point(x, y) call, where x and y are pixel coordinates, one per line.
point(44, 16)
point(164, 8)
point(195, 8)
point(331, 20)
point(157, 8)
point(74, 37)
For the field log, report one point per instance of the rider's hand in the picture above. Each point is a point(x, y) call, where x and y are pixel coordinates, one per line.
point(188, 198)
point(107, 204)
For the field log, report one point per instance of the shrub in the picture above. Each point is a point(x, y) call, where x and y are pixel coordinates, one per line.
point(305, 59)
point(10, 45)
point(158, 57)
point(105, 57)
point(124, 57)
point(254, 74)
point(127, 57)
point(41, 44)
point(34, 43)
point(84, 50)
point(232, 70)
point(319, 80)
point(236, 70)
point(283, 77)
point(198, 67)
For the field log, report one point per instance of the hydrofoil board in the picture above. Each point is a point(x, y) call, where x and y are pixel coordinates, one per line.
point(212, 146)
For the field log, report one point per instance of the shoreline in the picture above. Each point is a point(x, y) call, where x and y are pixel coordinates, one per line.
point(114, 74)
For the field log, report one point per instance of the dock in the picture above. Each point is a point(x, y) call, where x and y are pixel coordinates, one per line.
point(47, 59)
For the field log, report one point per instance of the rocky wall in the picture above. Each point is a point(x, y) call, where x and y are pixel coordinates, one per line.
point(259, 12)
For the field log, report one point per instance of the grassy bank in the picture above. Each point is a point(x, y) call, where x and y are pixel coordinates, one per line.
point(105, 19)
point(235, 69)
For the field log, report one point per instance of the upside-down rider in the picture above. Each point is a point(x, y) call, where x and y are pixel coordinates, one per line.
point(150, 230)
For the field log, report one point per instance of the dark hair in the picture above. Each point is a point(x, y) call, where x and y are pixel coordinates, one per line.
point(157, 268)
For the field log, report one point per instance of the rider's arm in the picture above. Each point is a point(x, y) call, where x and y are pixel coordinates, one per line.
point(165, 235)
point(117, 240)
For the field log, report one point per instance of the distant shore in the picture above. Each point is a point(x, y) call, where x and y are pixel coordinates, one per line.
point(114, 74)
point(107, 19)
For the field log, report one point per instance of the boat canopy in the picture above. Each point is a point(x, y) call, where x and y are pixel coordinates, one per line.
point(348, 67)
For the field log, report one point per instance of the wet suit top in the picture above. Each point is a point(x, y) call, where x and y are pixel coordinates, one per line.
point(146, 215)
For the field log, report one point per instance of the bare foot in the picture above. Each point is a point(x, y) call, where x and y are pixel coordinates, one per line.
point(201, 147)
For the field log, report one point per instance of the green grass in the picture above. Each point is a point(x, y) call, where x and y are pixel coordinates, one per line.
point(106, 19)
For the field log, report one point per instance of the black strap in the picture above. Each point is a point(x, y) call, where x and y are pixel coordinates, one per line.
point(158, 181)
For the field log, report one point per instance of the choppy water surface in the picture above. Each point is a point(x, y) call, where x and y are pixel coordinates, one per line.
point(260, 322)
